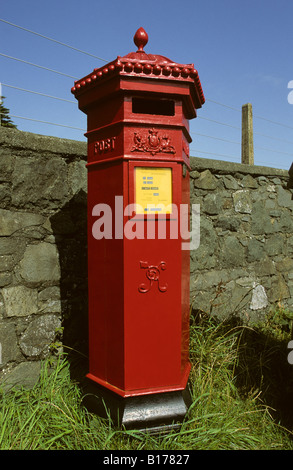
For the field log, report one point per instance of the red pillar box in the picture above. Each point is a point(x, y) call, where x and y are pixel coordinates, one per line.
point(138, 107)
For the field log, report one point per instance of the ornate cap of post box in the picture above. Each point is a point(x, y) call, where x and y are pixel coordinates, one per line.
point(144, 65)
point(138, 109)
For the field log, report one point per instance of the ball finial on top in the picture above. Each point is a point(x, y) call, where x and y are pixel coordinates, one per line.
point(140, 39)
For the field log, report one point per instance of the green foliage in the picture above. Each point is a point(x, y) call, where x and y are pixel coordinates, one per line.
point(5, 120)
point(278, 324)
point(230, 408)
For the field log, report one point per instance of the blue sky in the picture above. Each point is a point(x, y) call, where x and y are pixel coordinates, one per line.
point(242, 51)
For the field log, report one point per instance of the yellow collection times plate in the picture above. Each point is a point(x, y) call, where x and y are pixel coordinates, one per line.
point(153, 190)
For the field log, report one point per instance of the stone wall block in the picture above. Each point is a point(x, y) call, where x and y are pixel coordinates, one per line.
point(230, 182)
point(279, 290)
point(206, 180)
point(248, 182)
point(5, 279)
point(232, 253)
point(12, 246)
point(261, 221)
point(204, 257)
point(230, 300)
point(35, 341)
point(228, 222)
point(212, 204)
point(242, 201)
point(25, 374)
point(5, 195)
point(39, 182)
point(49, 300)
point(6, 165)
point(284, 198)
point(11, 221)
point(274, 245)
point(77, 177)
point(20, 301)
point(259, 299)
point(255, 250)
point(8, 343)
point(40, 264)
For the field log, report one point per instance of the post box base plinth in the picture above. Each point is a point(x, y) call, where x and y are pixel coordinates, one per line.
point(155, 413)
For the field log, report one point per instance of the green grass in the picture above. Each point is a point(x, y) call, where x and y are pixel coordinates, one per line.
point(239, 380)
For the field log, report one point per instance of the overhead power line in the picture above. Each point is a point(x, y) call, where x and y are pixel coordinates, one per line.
point(273, 122)
point(273, 138)
point(216, 138)
point(274, 151)
point(35, 65)
point(218, 122)
point(212, 153)
point(46, 122)
point(224, 105)
point(255, 116)
point(238, 109)
point(38, 93)
point(193, 133)
point(104, 60)
point(53, 40)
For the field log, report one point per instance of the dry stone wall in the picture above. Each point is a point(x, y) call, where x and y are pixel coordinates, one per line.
point(42, 249)
point(243, 265)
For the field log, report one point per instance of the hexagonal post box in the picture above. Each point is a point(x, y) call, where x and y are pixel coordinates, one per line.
point(138, 108)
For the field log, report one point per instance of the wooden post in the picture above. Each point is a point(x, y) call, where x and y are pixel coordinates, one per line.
point(247, 153)
point(290, 182)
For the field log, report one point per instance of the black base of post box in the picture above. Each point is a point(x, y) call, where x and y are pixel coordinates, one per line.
point(155, 413)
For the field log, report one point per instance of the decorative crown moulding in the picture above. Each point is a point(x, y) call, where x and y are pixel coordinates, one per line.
point(140, 63)
point(142, 68)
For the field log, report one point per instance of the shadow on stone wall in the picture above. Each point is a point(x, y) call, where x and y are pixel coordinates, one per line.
point(69, 227)
point(263, 366)
point(260, 368)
